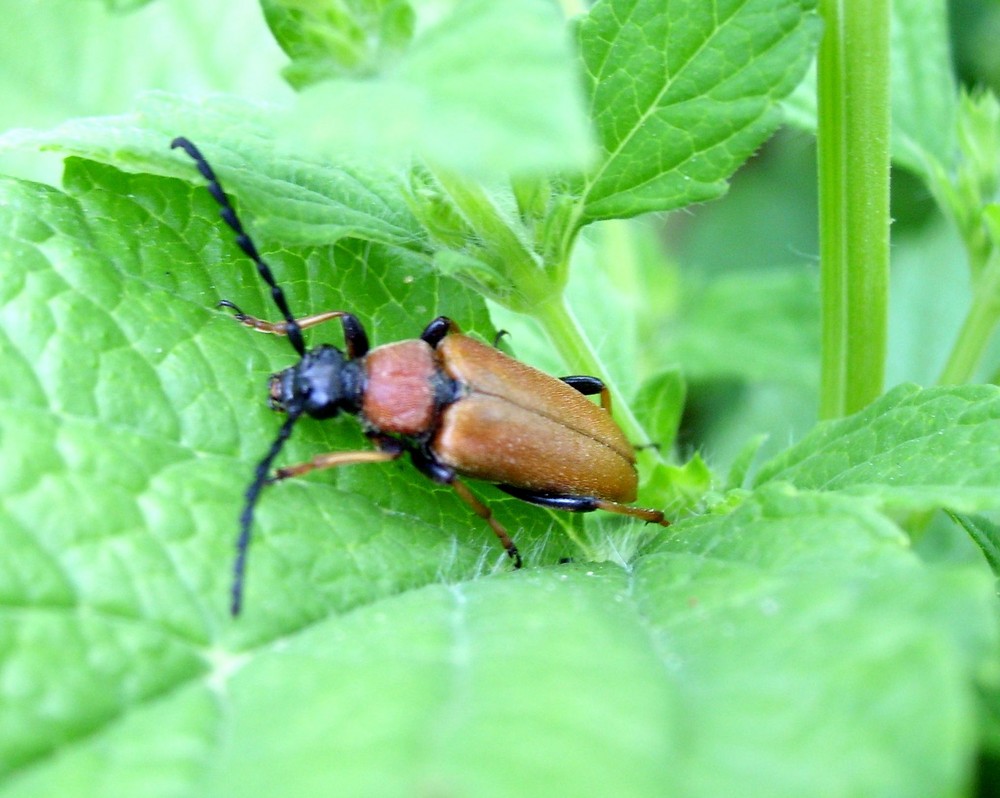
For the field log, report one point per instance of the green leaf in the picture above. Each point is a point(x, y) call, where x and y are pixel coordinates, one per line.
point(682, 95)
point(307, 200)
point(703, 668)
point(986, 535)
point(344, 37)
point(659, 404)
point(923, 94)
point(133, 413)
point(911, 449)
point(487, 90)
point(798, 606)
point(467, 675)
point(739, 469)
point(678, 489)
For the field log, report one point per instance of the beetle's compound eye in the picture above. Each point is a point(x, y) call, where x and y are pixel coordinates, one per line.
point(279, 390)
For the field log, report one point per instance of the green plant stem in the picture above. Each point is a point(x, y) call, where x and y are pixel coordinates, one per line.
point(853, 155)
point(570, 341)
point(978, 327)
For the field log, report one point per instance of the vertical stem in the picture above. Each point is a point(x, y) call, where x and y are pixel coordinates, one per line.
point(853, 154)
point(832, 189)
point(978, 327)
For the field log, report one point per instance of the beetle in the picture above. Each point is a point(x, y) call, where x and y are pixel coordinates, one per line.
point(456, 406)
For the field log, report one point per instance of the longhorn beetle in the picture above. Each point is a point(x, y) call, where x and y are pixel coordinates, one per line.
point(454, 405)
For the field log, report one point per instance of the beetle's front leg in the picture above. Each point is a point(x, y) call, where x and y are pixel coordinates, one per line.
point(355, 337)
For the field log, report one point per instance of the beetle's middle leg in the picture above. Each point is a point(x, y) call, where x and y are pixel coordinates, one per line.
point(435, 332)
point(428, 465)
point(484, 512)
point(589, 386)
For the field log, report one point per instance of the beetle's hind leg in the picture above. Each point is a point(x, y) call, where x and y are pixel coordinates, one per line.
point(589, 386)
point(584, 504)
point(644, 513)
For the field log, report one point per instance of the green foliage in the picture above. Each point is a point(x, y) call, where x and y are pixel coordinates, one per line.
point(782, 638)
point(902, 449)
point(674, 122)
point(336, 39)
point(487, 89)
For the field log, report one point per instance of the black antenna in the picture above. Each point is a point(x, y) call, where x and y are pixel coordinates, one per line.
point(260, 479)
point(294, 333)
point(243, 240)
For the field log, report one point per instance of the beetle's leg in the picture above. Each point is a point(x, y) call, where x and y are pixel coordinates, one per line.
point(589, 386)
point(435, 332)
point(647, 515)
point(388, 449)
point(428, 465)
point(484, 512)
point(496, 338)
point(355, 336)
point(332, 460)
point(583, 504)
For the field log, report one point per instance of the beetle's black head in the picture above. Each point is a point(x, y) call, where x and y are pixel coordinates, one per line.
point(321, 384)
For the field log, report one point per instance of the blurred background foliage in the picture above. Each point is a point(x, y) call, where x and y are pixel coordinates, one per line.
point(761, 240)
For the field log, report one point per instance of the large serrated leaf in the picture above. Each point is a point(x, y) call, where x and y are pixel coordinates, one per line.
point(683, 92)
point(912, 449)
point(306, 200)
point(699, 673)
point(802, 636)
point(488, 89)
point(132, 416)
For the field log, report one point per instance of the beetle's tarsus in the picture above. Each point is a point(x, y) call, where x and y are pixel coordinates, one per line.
point(239, 315)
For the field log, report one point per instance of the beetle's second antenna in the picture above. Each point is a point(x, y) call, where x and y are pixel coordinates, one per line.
point(260, 479)
point(243, 240)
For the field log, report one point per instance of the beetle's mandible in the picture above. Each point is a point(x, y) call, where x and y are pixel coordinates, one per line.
point(456, 406)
